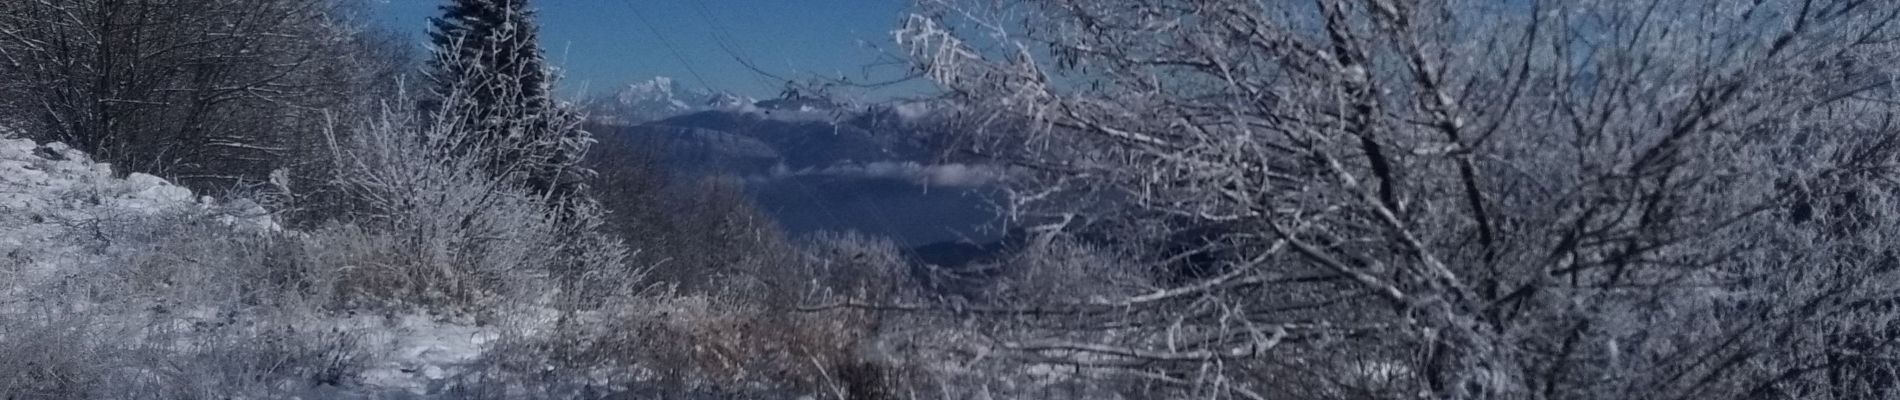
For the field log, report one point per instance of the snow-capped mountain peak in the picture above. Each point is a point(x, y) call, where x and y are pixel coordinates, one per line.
point(659, 91)
point(659, 98)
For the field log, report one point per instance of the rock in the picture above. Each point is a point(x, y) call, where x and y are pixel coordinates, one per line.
point(49, 154)
point(15, 146)
point(142, 181)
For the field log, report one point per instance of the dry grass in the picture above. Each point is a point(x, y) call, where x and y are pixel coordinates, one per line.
point(744, 340)
point(172, 306)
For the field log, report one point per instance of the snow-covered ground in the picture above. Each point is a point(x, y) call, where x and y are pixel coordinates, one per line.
point(67, 221)
point(51, 195)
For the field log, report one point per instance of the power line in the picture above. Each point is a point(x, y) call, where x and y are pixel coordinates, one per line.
point(667, 43)
point(724, 40)
point(719, 27)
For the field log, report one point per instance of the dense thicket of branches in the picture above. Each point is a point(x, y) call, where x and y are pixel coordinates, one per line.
point(1604, 199)
point(209, 92)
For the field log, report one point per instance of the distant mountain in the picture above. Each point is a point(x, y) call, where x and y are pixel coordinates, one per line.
point(804, 138)
point(656, 99)
point(814, 165)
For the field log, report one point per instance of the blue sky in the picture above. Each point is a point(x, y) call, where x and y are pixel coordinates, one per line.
point(603, 44)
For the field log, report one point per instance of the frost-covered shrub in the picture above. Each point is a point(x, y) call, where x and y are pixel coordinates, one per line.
point(433, 226)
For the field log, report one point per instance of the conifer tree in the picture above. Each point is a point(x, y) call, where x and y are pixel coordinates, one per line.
point(489, 77)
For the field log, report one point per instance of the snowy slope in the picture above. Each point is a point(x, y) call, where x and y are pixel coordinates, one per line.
point(49, 194)
point(66, 222)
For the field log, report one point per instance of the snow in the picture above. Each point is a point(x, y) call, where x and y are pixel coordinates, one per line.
point(418, 354)
point(53, 198)
point(54, 202)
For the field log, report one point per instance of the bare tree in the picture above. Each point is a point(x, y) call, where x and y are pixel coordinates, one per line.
point(1454, 199)
point(208, 92)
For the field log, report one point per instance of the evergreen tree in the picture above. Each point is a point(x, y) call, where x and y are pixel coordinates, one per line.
point(489, 77)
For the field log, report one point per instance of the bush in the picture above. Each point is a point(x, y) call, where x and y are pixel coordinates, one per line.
point(433, 226)
point(747, 339)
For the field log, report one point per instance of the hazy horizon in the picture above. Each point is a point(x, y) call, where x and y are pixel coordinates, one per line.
point(601, 45)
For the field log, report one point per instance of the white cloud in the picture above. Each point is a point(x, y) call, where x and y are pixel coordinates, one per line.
point(912, 111)
point(946, 175)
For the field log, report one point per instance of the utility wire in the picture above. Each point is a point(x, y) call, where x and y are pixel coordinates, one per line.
point(720, 36)
point(667, 43)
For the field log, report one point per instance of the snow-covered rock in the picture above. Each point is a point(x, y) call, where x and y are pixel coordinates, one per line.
point(415, 353)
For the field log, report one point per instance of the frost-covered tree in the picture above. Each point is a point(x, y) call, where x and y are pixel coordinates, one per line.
point(496, 38)
point(487, 54)
point(1453, 199)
